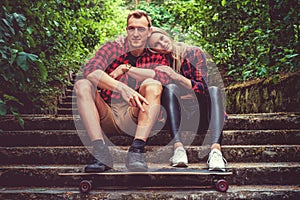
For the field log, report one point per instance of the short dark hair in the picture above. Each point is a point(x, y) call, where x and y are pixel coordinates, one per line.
point(138, 14)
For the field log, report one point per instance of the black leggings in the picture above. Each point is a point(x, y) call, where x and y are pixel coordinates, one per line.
point(209, 105)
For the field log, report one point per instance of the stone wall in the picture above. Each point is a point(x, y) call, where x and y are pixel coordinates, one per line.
point(265, 96)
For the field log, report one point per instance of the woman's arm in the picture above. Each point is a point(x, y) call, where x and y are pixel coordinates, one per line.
point(195, 67)
point(185, 82)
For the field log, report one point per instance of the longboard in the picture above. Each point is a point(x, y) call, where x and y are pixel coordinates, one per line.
point(151, 178)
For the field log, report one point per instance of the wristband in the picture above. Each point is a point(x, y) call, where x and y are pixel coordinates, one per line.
point(128, 66)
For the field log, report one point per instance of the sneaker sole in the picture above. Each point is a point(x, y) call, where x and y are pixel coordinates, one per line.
point(181, 164)
point(137, 169)
point(217, 169)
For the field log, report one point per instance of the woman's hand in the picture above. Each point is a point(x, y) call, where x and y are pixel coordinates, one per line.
point(170, 72)
point(185, 82)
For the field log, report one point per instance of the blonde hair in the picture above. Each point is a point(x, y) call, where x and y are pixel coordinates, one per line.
point(178, 51)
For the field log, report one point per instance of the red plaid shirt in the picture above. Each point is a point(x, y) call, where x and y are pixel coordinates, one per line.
point(112, 54)
point(194, 67)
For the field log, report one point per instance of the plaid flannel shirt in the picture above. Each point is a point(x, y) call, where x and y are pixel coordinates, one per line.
point(194, 67)
point(113, 54)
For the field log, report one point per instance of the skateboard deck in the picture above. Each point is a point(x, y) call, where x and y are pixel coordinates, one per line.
point(175, 177)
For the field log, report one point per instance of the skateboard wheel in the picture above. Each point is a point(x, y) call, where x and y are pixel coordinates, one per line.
point(222, 185)
point(85, 186)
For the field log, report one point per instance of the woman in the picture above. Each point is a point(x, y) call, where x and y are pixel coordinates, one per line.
point(189, 92)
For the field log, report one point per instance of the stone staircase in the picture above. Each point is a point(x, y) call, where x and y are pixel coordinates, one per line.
point(262, 151)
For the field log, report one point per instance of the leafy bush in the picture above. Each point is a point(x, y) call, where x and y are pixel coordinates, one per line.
point(249, 38)
point(43, 40)
point(18, 68)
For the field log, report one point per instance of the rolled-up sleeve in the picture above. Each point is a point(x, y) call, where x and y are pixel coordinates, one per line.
point(194, 68)
point(161, 60)
point(101, 59)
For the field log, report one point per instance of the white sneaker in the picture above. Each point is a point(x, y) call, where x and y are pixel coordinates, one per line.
point(179, 158)
point(216, 161)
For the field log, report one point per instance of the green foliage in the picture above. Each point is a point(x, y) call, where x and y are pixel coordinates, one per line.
point(43, 40)
point(249, 38)
point(18, 68)
point(160, 16)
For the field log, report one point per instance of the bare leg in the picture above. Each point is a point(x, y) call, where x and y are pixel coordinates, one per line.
point(151, 90)
point(87, 98)
point(216, 146)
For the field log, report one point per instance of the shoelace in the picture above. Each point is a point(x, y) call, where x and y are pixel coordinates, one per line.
point(179, 150)
point(215, 154)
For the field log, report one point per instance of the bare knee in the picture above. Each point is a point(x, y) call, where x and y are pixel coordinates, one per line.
point(152, 87)
point(83, 88)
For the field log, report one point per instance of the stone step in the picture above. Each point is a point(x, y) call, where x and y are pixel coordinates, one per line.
point(266, 192)
point(267, 121)
point(70, 87)
point(67, 111)
point(67, 105)
point(73, 138)
point(278, 173)
point(70, 93)
point(154, 154)
point(69, 98)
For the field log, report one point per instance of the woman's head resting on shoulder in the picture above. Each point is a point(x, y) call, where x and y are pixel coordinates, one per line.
point(160, 41)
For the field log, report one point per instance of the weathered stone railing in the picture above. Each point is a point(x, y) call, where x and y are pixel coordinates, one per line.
point(265, 95)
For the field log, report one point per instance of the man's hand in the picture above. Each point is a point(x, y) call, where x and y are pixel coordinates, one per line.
point(169, 71)
point(134, 98)
point(118, 71)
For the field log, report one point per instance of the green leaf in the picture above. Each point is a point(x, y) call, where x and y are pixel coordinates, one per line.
point(43, 71)
point(29, 30)
point(22, 61)
point(215, 17)
point(14, 53)
point(3, 54)
point(291, 55)
point(20, 19)
point(17, 115)
point(223, 2)
point(8, 26)
point(56, 23)
point(258, 31)
point(3, 108)
point(32, 57)
point(21, 121)
point(12, 98)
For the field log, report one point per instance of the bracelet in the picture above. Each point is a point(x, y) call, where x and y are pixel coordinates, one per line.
point(128, 66)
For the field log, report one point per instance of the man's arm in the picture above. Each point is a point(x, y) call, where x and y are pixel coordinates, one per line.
point(146, 71)
point(102, 80)
point(139, 74)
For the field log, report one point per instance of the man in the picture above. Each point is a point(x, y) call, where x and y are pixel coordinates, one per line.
point(129, 97)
